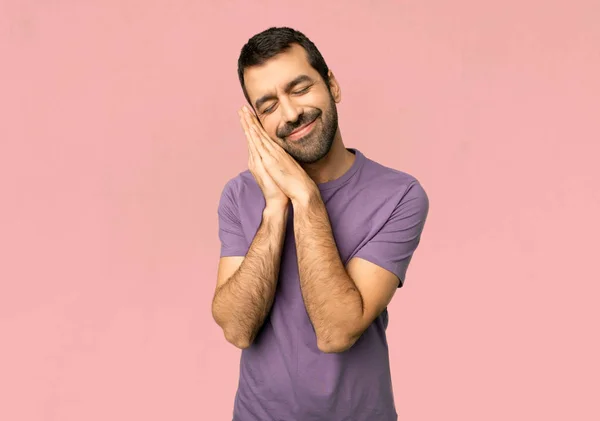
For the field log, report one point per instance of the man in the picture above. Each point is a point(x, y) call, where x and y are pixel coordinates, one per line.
point(315, 240)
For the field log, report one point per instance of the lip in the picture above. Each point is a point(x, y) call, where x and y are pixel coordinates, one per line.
point(302, 131)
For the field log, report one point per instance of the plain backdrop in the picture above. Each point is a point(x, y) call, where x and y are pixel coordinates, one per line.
point(118, 130)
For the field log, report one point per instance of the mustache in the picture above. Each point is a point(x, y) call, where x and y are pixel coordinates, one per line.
point(303, 119)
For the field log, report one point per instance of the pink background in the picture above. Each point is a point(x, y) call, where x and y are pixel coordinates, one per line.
point(118, 130)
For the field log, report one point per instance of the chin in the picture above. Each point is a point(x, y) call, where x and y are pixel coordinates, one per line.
point(310, 155)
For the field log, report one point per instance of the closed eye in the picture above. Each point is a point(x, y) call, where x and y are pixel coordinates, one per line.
point(298, 92)
point(302, 91)
point(269, 109)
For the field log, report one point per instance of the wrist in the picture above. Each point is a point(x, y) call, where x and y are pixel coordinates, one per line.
point(307, 198)
point(275, 210)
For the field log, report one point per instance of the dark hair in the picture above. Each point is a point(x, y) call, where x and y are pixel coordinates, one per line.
point(270, 42)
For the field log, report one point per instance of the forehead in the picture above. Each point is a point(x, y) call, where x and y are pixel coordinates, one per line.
point(271, 76)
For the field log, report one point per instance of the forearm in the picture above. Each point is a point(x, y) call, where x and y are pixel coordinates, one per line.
point(333, 302)
point(241, 304)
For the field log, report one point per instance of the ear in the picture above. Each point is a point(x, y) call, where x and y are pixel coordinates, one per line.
point(334, 86)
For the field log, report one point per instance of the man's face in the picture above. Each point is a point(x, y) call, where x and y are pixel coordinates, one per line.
point(294, 105)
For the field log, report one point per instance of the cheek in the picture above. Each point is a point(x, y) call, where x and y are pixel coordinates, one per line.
point(271, 128)
point(271, 123)
point(320, 97)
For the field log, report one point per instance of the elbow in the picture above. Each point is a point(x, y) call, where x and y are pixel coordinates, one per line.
point(237, 339)
point(239, 343)
point(233, 336)
point(335, 344)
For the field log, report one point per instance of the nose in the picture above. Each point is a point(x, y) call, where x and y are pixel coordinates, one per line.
point(289, 111)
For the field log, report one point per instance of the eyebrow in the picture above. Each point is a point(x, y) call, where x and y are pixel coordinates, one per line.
point(288, 87)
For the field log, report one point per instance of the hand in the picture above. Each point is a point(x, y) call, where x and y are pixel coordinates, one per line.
point(274, 197)
point(287, 174)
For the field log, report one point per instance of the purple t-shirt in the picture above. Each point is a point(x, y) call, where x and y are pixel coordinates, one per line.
point(377, 214)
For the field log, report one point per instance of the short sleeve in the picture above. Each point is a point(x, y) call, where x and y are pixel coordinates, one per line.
point(233, 241)
point(393, 245)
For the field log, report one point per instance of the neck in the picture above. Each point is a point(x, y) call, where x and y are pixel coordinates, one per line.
point(333, 165)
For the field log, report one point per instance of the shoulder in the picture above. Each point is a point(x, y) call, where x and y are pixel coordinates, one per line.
point(241, 194)
point(391, 183)
point(237, 185)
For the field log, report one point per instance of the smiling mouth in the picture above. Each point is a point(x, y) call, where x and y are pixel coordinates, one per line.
point(302, 131)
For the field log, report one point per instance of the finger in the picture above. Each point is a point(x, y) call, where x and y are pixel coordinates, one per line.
point(259, 165)
point(259, 143)
point(262, 137)
point(263, 143)
point(250, 156)
point(252, 139)
point(248, 111)
point(255, 153)
point(253, 121)
point(244, 123)
point(269, 144)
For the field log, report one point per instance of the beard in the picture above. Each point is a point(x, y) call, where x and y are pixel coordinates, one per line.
point(315, 145)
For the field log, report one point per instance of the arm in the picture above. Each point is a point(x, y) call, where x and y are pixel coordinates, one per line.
point(243, 299)
point(333, 302)
point(342, 302)
point(246, 285)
